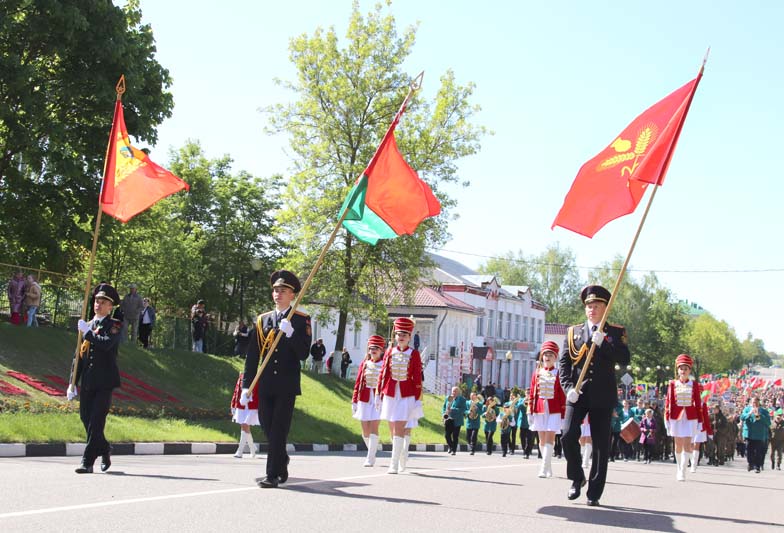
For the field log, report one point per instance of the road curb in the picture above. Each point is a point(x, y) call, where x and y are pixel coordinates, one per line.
point(62, 449)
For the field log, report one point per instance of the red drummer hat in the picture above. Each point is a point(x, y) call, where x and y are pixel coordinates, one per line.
point(376, 341)
point(684, 359)
point(404, 324)
point(549, 346)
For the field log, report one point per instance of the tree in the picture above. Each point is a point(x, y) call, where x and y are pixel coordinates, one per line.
point(60, 63)
point(552, 277)
point(753, 352)
point(712, 344)
point(346, 99)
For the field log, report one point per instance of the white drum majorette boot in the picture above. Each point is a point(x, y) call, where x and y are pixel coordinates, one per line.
point(550, 453)
point(251, 445)
point(587, 451)
point(543, 469)
point(404, 454)
point(397, 447)
point(241, 446)
point(695, 457)
point(372, 447)
point(684, 464)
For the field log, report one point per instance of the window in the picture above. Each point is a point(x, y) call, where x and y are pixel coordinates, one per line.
point(480, 325)
point(539, 335)
point(508, 325)
point(500, 325)
point(357, 332)
point(525, 329)
point(491, 324)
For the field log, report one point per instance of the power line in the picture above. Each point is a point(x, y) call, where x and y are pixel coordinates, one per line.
point(644, 270)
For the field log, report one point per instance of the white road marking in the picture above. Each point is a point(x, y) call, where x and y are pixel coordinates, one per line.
point(129, 501)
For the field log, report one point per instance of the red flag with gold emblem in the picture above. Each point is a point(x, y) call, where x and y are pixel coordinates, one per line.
point(612, 184)
point(132, 182)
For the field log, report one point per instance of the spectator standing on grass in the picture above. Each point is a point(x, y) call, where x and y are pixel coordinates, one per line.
point(146, 322)
point(16, 288)
point(241, 340)
point(32, 300)
point(131, 306)
point(317, 353)
point(345, 362)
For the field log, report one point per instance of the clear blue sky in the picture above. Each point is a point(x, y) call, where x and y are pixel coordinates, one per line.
point(557, 81)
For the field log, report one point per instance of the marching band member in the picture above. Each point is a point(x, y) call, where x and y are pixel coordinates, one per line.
point(453, 413)
point(490, 416)
point(547, 402)
point(399, 391)
point(507, 428)
point(706, 430)
point(363, 401)
point(246, 416)
point(473, 420)
point(683, 412)
point(526, 436)
point(512, 405)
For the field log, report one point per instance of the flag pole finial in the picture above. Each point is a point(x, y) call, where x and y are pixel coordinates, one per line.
point(416, 83)
point(120, 87)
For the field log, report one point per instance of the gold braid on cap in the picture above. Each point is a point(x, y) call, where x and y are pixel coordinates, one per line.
point(579, 357)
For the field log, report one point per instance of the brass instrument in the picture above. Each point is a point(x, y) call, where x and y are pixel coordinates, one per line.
point(505, 419)
point(473, 413)
point(446, 416)
point(490, 414)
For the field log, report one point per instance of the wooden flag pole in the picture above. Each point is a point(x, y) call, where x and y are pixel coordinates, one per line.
point(120, 89)
point(614, 293)
point(414, 86)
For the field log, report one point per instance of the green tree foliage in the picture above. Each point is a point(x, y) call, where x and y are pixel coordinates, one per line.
point(752, 352)
point(199, 245)
point(60, 62)
point(713, 344)
point(346, 98)
point(552, 276)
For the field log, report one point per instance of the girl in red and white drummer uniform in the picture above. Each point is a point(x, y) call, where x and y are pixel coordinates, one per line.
point(683, 412)
point(399, 390)
point(246, 416)
point(363, 401)
point(706, 430)
point(548, 404)
point(586, 443)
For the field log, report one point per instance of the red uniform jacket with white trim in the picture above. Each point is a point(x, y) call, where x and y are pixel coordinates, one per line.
point(412, 386)
point(361, 390)
point(672, 411)
point(235, 398)
point(557, 404)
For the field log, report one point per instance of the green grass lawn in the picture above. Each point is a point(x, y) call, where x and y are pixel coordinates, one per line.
point(203, 383)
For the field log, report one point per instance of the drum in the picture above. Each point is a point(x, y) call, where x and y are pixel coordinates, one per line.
point(630, 431)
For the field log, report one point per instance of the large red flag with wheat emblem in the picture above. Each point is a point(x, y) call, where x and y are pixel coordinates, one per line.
point(612, 184)
point(132, 182)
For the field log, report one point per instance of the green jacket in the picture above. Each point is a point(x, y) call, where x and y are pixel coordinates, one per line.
point(456, 410)
point(638, 413)
point(616, 418)
point(755, 427)
point(522, 414)
point(490, 426)
point(477, 422)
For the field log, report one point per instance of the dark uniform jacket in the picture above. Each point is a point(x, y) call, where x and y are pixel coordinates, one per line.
point(599, 388)
point(282, 374)
point(98, 367)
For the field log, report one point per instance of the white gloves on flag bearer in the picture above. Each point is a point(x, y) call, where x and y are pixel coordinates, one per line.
point(597, 337)
point(287, 328)
point(83, 326)
point(572, 396)
point(72, 392)
point(245, 397)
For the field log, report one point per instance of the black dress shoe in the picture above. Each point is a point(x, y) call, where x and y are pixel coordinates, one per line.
point(592, 503)
point(267, 483)
point(106, 462)
point(84, 468)
point(283, 477)
point(574, 490)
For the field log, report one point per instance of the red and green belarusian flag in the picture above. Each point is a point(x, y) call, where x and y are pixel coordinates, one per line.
point(389, 199)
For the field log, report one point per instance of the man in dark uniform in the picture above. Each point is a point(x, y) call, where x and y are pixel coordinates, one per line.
point(97, 368)
point(279, 384)
point(597, 397)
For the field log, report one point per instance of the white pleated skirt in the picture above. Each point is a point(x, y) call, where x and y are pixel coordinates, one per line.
point(245, 416)
point(683, 428)
point(545, 422)
point(366, 411)
point(701, 436)
point(585, 429)
point(398, 408)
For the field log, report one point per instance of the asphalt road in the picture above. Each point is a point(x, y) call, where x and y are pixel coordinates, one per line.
point(333, 492)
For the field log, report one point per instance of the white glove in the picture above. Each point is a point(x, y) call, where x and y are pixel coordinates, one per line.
point(286, 327)
point(597, 337)
point(353, 407)
point(379, 401)
point(72, 392)
point(572, 396)
point(83, 326)
point(245, 397)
